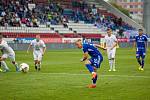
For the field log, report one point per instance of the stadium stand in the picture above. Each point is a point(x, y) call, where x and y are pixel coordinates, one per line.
point(66, 17)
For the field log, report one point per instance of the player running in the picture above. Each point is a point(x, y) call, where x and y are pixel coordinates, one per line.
point(39, 49)
point(7, 52)
point(140, 43)
point(94, 62)
point(110, 45)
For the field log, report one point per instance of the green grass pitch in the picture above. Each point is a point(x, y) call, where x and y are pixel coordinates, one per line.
point(64, 77)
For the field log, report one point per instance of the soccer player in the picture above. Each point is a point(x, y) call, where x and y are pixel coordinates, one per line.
point(39, 49)
point(0, 67)
point(110, 45)
point(94, 62)
point(7, 52)
point(140, 43)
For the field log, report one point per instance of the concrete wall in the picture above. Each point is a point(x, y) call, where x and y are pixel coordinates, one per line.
point(19, 46)
point(146, 17)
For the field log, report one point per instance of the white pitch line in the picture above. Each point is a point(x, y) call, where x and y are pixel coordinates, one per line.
point(73, 74)
point(131, 76)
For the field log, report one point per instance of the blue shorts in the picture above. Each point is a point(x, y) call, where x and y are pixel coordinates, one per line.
point(140, 53)
point(96, 61)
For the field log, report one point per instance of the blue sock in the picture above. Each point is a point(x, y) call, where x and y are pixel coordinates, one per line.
point(142, 63)
point(139, 61)
point(94, 80)
point(90, 68)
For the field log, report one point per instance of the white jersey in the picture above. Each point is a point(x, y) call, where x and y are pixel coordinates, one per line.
point(5, 48)
point(38, 46)
point(110, 41)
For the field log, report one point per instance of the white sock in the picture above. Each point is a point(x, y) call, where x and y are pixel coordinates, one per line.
point(38, 65)
point(110, 64)
point(114, 64)
point(4, 65)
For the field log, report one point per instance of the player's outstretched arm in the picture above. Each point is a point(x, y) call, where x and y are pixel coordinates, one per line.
point(99, 46)
point(85, 56)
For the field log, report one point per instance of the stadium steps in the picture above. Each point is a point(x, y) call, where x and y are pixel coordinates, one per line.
point(116, 12)
point(84, 28)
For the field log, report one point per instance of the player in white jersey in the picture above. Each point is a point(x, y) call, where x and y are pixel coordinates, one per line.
point(110, 45)
point(7, 52)
point(39, 49)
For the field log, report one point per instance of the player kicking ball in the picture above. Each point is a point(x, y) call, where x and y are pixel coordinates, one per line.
point(7, 52)
point(39, 49)
point(94, 62)
point(110, 45)
point(140, 43)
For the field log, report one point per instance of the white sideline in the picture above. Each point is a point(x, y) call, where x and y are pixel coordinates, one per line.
point(131, 76)
point(126, 76)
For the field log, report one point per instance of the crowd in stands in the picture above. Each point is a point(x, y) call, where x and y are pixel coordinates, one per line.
point(90, 14)
point(26, 13)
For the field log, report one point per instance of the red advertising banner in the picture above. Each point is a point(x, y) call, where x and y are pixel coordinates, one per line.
point(52, 40)
point(123, 40)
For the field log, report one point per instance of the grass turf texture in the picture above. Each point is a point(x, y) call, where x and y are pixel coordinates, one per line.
point(64, 77)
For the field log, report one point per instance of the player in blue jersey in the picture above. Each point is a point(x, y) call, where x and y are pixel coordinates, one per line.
point(94, 62)
point(141, 45)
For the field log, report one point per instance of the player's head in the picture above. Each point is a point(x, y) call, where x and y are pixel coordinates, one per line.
point(140, 31)
point(78, 43)
point(109, 31)
point(37, 37)
point(1, 37)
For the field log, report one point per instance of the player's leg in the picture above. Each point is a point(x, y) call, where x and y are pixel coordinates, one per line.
point(12, 58)
point(36, 64)
point(89, 66)
point(39, 61)
point(91, 69)
point(113, 58)
point(142, 62)
point(138, 59)
point(3, 63)
point(95, 62)
point(35, 56)
point(109, 53)
point(0, 66)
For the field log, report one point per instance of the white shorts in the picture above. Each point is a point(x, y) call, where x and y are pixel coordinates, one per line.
point(11, 56)
point(111, 53)
point(37, 55)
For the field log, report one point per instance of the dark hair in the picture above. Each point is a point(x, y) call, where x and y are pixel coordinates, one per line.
point(108, 29)
point(140, 29)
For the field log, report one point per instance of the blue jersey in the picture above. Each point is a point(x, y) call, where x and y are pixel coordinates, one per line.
point(141, 42)
point(91, 49)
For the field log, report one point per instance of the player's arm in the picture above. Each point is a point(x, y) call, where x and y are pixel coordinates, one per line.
point(29, 48)
point(146, 43)
point(115, 44)
point(134, 43)
point(105, 45)
point(99, 46)
point(44, 49)
point(85, 56)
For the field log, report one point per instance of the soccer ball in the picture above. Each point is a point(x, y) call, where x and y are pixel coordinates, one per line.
point(24, 67)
